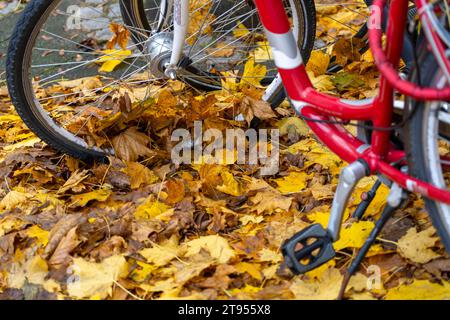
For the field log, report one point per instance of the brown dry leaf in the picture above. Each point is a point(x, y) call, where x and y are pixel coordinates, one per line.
point(74, 182)
point(61, 256)
point(140, 175)
point(175, 191)
point(131, 144)
point(120, 36)
point(221, 50)
point(252, 108)
point(269, 202)
point(60, 230)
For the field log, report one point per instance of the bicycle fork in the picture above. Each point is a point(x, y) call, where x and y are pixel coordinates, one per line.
point(181, 24)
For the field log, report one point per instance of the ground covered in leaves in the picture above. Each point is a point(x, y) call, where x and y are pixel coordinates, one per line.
point(140, 227)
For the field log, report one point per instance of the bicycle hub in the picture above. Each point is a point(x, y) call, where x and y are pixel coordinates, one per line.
point(159, 49)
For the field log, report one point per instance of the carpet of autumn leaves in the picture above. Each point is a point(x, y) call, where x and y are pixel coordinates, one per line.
point(139, 227)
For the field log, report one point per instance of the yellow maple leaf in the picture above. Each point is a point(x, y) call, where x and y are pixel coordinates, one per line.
point(81, 200)
point(269, 202)
point(217, 247)
point(325, 288)
point(322, 191)
point(270, 256)
point(151, 209)
point(354, 236)
point(262, 52)
point(253, 73)
point(240, 31)
point(95, 279)
point(143, 271)
point(288, 124)
point(420, 290)
point(33, 270)
point(246, 289)
point(318, 62)
point(230, 185)
point(294, 182)
point(322, 83)
point(229, 82)
point(246, 219)
point(415, 246)
point(38, 233)
point(253, 269)
point(13, 199)
point(378, 203)
point(161, 254)
point(111, 58)
point(8, 224)
point(140, 175)
point(22, 144)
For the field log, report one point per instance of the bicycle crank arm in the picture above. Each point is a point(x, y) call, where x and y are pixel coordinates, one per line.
point(348, 179)
point(313, 246)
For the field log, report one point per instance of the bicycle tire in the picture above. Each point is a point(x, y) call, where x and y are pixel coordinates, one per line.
point(15, 69)
point(418, 144)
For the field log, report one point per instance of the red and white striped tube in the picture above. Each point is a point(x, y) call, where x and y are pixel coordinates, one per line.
point(286, 53)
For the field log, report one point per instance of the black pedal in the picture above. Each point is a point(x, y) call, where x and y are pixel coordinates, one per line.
point(308, 249)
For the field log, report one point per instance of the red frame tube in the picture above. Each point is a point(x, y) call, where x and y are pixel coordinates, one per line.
point(389, 71)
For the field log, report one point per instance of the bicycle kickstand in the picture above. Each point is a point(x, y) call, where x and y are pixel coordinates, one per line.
point(397, 198)
point(366, 200)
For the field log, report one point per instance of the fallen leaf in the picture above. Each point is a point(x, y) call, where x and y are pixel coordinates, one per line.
point(415, 246)
point(420, 290)
point(230, 185)
point(292, 183)
point(91, 279)
point(131, 144)
point(81, 200)
point(218, 248)
point(269, 202)
point(140, 175)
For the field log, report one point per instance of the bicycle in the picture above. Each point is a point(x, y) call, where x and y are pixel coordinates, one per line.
point(421, 168)
point(405, 167)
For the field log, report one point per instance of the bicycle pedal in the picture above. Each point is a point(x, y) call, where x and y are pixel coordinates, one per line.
point(308, 249)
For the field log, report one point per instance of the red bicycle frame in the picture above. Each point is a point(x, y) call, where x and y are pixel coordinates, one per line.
point(318, 108)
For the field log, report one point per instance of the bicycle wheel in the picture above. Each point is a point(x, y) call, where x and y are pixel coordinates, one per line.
point(144, 15)
point(428, 142)
point(58, 46)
